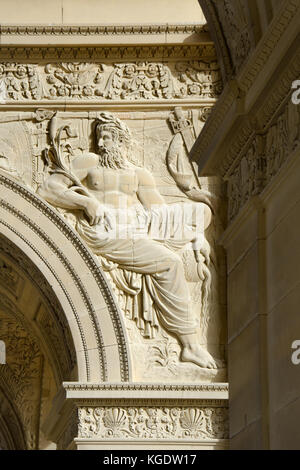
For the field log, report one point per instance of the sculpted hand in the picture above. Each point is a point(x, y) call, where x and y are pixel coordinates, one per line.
point(95, 212)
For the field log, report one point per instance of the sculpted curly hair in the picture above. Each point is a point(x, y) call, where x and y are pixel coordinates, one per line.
point(119, 129)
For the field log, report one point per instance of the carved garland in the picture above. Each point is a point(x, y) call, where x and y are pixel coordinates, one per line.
point(136, 80)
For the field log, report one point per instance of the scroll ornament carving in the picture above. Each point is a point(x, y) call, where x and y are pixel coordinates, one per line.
point(263, 158)
point(153, 423)
point(73, 80)
point(150, 80)
point(93, 81)
point(20, 82)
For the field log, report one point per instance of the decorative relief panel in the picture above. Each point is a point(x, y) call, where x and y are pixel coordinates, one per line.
point(151, 147)
point(72, 80)
point(157, 423)
point(262, 158)
point(138, 80)
point(19, 82)
point(60, 140)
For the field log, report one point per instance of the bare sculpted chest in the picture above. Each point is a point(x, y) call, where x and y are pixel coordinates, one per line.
point(111, 186)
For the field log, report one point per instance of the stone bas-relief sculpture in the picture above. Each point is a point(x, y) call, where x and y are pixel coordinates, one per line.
point(120, 214)
point(134, 80)
point(50, 152)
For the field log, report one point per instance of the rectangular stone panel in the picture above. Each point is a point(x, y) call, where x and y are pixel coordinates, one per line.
point(283, 329)
point(243, 292)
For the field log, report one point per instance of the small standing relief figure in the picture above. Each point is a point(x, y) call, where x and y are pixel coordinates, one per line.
point(124, 220)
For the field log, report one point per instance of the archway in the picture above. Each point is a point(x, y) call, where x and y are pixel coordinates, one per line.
point(58, 325)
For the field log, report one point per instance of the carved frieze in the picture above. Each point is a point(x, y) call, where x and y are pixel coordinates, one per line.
point(163, 423)
point(73, 80)
point(134, 80)
point(262, 158)
point(19, 82)
point(110, 53)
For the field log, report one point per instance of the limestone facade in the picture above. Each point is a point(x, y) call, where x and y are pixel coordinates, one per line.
point(163, 117)
point(256, 121)
point(98, 119)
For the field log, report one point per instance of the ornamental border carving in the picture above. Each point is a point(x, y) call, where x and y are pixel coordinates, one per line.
point(91, 30)
point(207, 387)
point(145, 422)
point(107, 53)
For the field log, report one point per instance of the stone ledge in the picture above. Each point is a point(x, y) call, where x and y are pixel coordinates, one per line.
point(133, 391)
point(164, 33)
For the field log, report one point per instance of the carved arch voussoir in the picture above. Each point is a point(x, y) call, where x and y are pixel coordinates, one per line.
point(68, 275)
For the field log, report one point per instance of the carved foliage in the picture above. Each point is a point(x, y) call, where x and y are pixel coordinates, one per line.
point(20, 81)
point(150, 80)
point(73, 80)
point(153, 423)
point(141, 80)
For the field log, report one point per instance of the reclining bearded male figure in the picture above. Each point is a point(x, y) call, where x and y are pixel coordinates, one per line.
point(114, 184)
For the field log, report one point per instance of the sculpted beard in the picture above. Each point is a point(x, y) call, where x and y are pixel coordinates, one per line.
point(112, 158)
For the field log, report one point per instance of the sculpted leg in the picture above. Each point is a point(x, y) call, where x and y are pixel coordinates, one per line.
point(166, 285)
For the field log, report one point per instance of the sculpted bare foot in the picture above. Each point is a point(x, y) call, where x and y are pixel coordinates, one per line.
point(202, 358)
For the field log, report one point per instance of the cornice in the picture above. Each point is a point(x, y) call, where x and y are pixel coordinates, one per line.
point(144, 391)
point(101, 30)
point(266, 47)
point(211, 387)
point(105, 52)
